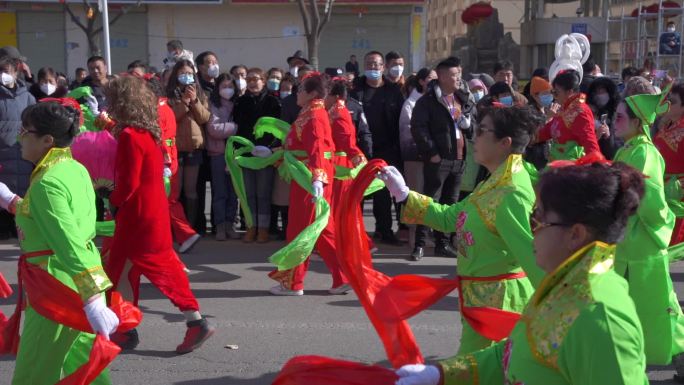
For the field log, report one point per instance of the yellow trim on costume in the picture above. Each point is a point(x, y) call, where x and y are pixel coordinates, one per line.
point(91, 282)
point(460, 370)
point(415, 209)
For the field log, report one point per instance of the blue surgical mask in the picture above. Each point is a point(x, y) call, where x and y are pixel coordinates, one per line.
point(506, 101)
point(478, 95)
point(186, 79)
point(284, 94)
point(373, 74)
point(273, 84)
point(546, 100)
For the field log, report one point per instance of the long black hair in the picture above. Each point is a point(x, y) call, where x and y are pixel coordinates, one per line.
point(174, 84)
point(52, 118)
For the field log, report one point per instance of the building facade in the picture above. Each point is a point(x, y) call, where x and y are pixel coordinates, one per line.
point(259, 33)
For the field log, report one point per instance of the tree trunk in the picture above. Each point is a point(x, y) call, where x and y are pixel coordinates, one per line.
point(93, 46)
point(312, 43)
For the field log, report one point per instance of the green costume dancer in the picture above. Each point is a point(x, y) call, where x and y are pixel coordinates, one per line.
point(581, 327)
point(494, 241)
point(642, 256)
point(56, 225)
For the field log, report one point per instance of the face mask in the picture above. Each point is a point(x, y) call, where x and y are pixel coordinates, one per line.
point(226, 93)
point(242, 83)
point(284, 94)
point(373, 74)
point(186, 79)
point(7, 79)
point(213, 71)
point(171, 55)
point(396, 71)
point(670, 29)
point(506, 101)
point(48, 89)
point(601, 100)
point(478, 95)
point(273, 84)
point(294, 71)
point(546, 100)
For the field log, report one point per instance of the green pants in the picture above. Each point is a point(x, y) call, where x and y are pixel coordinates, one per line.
point(656, 303)
point(50, 351)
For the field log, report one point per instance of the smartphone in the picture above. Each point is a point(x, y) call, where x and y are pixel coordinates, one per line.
point(660, 74)
point(604, 118)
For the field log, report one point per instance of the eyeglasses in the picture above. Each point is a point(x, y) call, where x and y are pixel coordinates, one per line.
point(536, 225)
point(480, 131)
point(24, 131)
point(254, 78)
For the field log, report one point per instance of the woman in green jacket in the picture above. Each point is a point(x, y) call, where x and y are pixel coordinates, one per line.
point(581, 326)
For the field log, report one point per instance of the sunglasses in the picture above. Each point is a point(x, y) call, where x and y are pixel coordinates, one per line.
point(536, 224)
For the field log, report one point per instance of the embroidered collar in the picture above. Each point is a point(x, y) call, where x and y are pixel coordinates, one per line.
point(575, 100)
point(502, 175)
point(637, 140)
point(54, 156)
point(602, 256)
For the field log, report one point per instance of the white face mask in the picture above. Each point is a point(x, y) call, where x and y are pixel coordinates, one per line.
point(227, 93)
point(284, 94)
point(242, 84)
point(294, 71)
point(48, 88)
point(213, 71)
point(7, 79)
point(396, 71)
point(671, 29)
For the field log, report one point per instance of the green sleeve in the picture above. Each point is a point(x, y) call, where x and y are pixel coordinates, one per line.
point(513, 225)
point(653, 211)
point(422, 210)
point(105, 228)
point(604, 347)
point(481, 367)
point(50, 208)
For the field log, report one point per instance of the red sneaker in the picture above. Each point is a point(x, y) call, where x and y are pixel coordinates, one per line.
point(198, 332)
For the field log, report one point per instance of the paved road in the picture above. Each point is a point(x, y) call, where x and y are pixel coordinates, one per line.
point(229, 279)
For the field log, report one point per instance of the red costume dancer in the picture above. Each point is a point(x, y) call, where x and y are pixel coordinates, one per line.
point(181, 229)
point(572, 129)
point(311, 133)
point(142, 238)
point(670, 142)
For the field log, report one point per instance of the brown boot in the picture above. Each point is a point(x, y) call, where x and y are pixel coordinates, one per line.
point(250, 235)
point(262, 236)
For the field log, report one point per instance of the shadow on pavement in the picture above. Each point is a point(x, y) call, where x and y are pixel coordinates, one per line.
point(228, 380)
point(445, 304)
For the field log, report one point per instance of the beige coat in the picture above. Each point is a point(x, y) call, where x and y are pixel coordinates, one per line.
point(190, 123)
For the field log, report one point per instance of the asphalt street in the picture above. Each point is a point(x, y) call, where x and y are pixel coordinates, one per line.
point(230, 281)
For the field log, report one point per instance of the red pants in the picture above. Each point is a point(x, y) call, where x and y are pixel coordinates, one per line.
point(165, 271)
point(302, 215)
point(180, 227)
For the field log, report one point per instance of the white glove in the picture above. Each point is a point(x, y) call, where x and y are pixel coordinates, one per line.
point(6, 196)
point(167, 172)
point(317, 186)
point(418, 374)
point(91, 101)
point(395, 183)
point(464, 122)
point(261, 151)
point(102, 320)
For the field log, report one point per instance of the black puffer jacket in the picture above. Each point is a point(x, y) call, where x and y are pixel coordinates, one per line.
point(433, 127)
point(14, 172)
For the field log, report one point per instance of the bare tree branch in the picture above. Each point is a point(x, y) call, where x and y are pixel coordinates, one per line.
point(123, 11)
point(328, 14)
point(305, 17)
point(316, 16)
point(74, 19)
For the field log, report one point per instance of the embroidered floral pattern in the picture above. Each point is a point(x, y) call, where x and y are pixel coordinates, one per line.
point(488, 195)
point(416, 208)
point(483, 293)
point(672, 136)
point(560, 298)
point(305, 115)
point(461, 370)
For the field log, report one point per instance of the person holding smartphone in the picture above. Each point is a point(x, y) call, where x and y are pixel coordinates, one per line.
point(603, 98)
point(189, 104)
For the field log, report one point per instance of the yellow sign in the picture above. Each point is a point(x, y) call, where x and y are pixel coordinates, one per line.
point(8, 29)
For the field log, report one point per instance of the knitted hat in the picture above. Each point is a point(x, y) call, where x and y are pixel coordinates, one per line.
point(647, 107)
point(477, 83)
point(538, 85)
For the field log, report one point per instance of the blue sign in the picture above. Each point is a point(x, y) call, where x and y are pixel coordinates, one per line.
point(579, 28)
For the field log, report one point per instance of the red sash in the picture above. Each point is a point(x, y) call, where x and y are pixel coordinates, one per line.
point(55, 301)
